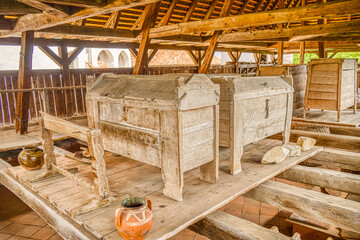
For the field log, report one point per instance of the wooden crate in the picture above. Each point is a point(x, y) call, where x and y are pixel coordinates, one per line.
point(331, 85)
point(168, 121)
point(252, 108)
point(298, 74)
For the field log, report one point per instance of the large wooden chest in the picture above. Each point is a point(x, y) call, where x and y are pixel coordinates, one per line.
point(298, 74)
point(168, 121)
point(252, 108)
point(331, 85)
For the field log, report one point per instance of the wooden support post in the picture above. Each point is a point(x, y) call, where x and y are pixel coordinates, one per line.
point(280, 53)
point(306, 203)
point(48, 144)
point(66, 77)
point(223, 226)
point(150, 13)
point(302, 52)
point(98, 165)
point(24, 82)
point(345, 182)
point(322, 50)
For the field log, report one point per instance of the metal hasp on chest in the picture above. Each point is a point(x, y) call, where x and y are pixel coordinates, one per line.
point(331, 85)
point(167, 121)
point(252, 108)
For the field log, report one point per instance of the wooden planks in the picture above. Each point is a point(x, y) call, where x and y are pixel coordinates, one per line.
point(126, 178)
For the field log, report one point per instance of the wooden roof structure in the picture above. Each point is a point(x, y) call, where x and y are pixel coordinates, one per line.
point(237, 25)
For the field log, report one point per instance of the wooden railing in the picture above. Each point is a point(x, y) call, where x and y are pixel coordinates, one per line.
point(51, 82)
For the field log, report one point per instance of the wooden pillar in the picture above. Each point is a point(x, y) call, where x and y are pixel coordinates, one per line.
point(322, 50)
point(150, 13)
point(24, 82)
point(302, 52)
point(280, 53)
point(66, 77)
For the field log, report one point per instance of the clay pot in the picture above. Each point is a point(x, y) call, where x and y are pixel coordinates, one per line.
point(134, 218)
point(31, 158)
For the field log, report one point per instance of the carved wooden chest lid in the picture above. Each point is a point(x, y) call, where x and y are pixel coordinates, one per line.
point(184, 91)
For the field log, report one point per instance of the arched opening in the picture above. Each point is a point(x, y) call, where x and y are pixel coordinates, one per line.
point(123, 59)
point(105, 59)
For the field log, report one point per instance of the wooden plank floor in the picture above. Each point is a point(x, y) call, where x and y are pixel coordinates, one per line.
point(131, 178)
point(9, 140)
point(348, 118)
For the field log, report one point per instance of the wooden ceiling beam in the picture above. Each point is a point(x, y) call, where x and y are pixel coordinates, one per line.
point(166, 18)
point(267, 35)
point(46, 20)
point(341, 181)
point(190, 11)
point(317, 11)
point(56, 11)
point(12, 7)
point(79, 3)
point(74, 30)
point(113, 20)
point(307, 203)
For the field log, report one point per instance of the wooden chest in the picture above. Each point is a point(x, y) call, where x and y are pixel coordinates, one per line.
point(331, 85)
point(168, 121)
point(252, 108)
point(298, 74)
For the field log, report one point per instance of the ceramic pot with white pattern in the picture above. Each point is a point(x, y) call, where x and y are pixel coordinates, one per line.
point(134, 218)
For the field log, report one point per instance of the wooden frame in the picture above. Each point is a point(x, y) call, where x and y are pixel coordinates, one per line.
point(93, 137)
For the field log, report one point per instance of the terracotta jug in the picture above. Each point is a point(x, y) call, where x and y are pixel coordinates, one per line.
point(31, 158)
point(134, 218)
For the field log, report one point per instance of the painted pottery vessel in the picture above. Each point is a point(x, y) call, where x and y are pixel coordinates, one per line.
point(31, 158)
point(134, 218)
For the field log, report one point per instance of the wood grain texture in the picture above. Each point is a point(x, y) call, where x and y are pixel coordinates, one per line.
point(306, 203)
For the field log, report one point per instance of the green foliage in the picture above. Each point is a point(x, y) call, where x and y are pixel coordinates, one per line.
point(309, 56)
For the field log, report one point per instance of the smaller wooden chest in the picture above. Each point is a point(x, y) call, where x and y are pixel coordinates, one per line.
point(168, 121)
point(331, 85)
point(252, 108)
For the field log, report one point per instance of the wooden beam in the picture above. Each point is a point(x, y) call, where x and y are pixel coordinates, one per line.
point(261, 18)
point(280, 53)
point(74, 30)
point(321, 52)
point(46, 20)
point(232, 56)
point(166, 18)
point(243, 6)
point(74, 54)
point(150, 14)
point(193, 57)
point(333, 158)
point(133, 51)
point(190, 11)
point(325, 139)
point(6, 24)
point(306, 203)
point(152, 55)
point(266, 35)
point(341, 181)
point(11, 7)
point(113, 20)
point(66, 77)
point(213, 41)
point(51, 54)
point(24, 82)
point(302, 52)
point(56, 11)
point(79, 3)
point(223, 226)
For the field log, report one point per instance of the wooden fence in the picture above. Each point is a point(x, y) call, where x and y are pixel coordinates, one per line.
point(51, 82)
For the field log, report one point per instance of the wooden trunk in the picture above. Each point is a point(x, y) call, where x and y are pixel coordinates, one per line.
point(168, 121)
point(298, 74)
point(332, 85)
point(252, 108)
